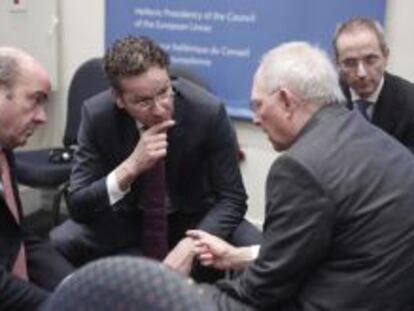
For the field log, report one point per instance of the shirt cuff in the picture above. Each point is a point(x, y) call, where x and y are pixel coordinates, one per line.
point(254, 250)
point(115, 194)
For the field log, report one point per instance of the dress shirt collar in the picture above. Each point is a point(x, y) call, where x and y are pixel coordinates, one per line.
point(139, 126)
point(373, 97)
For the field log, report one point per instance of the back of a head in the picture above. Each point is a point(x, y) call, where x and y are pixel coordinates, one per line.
point(126, 284)
point(9, 68)
point(303, 69)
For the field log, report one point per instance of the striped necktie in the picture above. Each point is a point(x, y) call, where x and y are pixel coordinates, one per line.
point(20, 265)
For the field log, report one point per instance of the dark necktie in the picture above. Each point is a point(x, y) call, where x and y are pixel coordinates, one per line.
point(20, 265)
point(154, 236)
point(362, 106)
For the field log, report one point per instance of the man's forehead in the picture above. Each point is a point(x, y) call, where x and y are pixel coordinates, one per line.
point(353, 38)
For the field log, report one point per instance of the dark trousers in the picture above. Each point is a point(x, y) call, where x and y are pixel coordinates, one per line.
point(114, 234)
point(46, 266)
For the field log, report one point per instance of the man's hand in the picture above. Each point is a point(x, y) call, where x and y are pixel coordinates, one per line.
point(215, 252)
point(151, 147)
point(181, 257)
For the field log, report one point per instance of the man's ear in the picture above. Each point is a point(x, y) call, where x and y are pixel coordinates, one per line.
point(117, 97)
point(289, 101)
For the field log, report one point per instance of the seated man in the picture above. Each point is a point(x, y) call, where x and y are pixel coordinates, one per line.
point(29, 267)
point(386, 100)
point(339, 224)
point(156, 157)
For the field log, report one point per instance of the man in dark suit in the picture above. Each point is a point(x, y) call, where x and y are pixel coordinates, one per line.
point(339, 223)
point(146, 119)
point(29, 267)
point(361, 56)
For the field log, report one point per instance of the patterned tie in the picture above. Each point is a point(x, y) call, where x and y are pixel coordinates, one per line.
point(362, 106)
point(20, 265)
point(154, 237)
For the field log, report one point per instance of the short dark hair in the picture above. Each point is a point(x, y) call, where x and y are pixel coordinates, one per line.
point(9, 71)
point(358, 23)
point(132, 56)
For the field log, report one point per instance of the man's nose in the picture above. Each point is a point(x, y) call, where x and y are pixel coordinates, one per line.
point(159, 108)
point(256, 120)
point(40, 115)
point(361, 70)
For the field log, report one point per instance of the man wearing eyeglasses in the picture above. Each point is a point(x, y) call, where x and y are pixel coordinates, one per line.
point(145, 121)
point(382, 98)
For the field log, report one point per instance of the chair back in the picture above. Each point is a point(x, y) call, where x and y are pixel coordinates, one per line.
point(88, 80)
point(181, 71)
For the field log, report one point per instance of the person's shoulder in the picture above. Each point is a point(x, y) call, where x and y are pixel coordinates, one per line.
point(194, 94)
point(399, 90)
point(100, 103)
point(398, 81)
point(100, 99)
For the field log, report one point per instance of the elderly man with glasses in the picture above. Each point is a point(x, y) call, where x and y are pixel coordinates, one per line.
point(157, 156)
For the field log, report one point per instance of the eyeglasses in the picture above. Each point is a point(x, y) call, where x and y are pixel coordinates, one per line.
point(353, 63)
point(162, 97)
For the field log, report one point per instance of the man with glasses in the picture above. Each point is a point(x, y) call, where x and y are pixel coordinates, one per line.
point(339, 228)
point(148, 123)
point(384, 99)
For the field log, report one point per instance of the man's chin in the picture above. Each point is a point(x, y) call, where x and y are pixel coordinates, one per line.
point(364, 92)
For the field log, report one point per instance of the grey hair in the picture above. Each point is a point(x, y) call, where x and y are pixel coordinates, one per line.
point(302, 68)
point(356, 24)
point(9, 70)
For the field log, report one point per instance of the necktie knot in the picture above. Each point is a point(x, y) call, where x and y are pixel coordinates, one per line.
point(362, 106)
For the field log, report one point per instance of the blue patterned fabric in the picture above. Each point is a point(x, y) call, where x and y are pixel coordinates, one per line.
point(126, 283)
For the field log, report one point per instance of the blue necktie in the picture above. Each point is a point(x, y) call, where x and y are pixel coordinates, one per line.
point(362, 106)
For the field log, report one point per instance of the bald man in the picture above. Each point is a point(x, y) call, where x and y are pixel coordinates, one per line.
point(29, 267)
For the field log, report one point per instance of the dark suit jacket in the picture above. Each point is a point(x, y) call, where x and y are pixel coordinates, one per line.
point(339, 226)
point(394, 110)
point(201, 165)
point(15, 294)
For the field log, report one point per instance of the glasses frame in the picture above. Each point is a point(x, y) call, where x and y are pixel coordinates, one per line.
point(162, 97)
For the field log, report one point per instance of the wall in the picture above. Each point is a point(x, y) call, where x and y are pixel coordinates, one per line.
point(81, 34)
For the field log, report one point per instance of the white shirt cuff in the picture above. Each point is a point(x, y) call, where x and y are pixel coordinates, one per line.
point(114, 192)
point(254, 250)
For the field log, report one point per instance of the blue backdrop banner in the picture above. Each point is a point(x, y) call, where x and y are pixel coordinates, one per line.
point(222, 40)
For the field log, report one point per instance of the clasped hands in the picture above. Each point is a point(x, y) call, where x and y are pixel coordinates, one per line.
point(210, 250)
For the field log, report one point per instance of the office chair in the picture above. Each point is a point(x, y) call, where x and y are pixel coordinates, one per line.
point(50, 167)
point(186, 73)
point(182, 71)
point(127, 284)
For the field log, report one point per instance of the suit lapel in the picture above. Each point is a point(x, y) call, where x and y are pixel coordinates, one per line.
point(128, 136)
point(11, 163)
point(175, 134)
point(384, 113)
